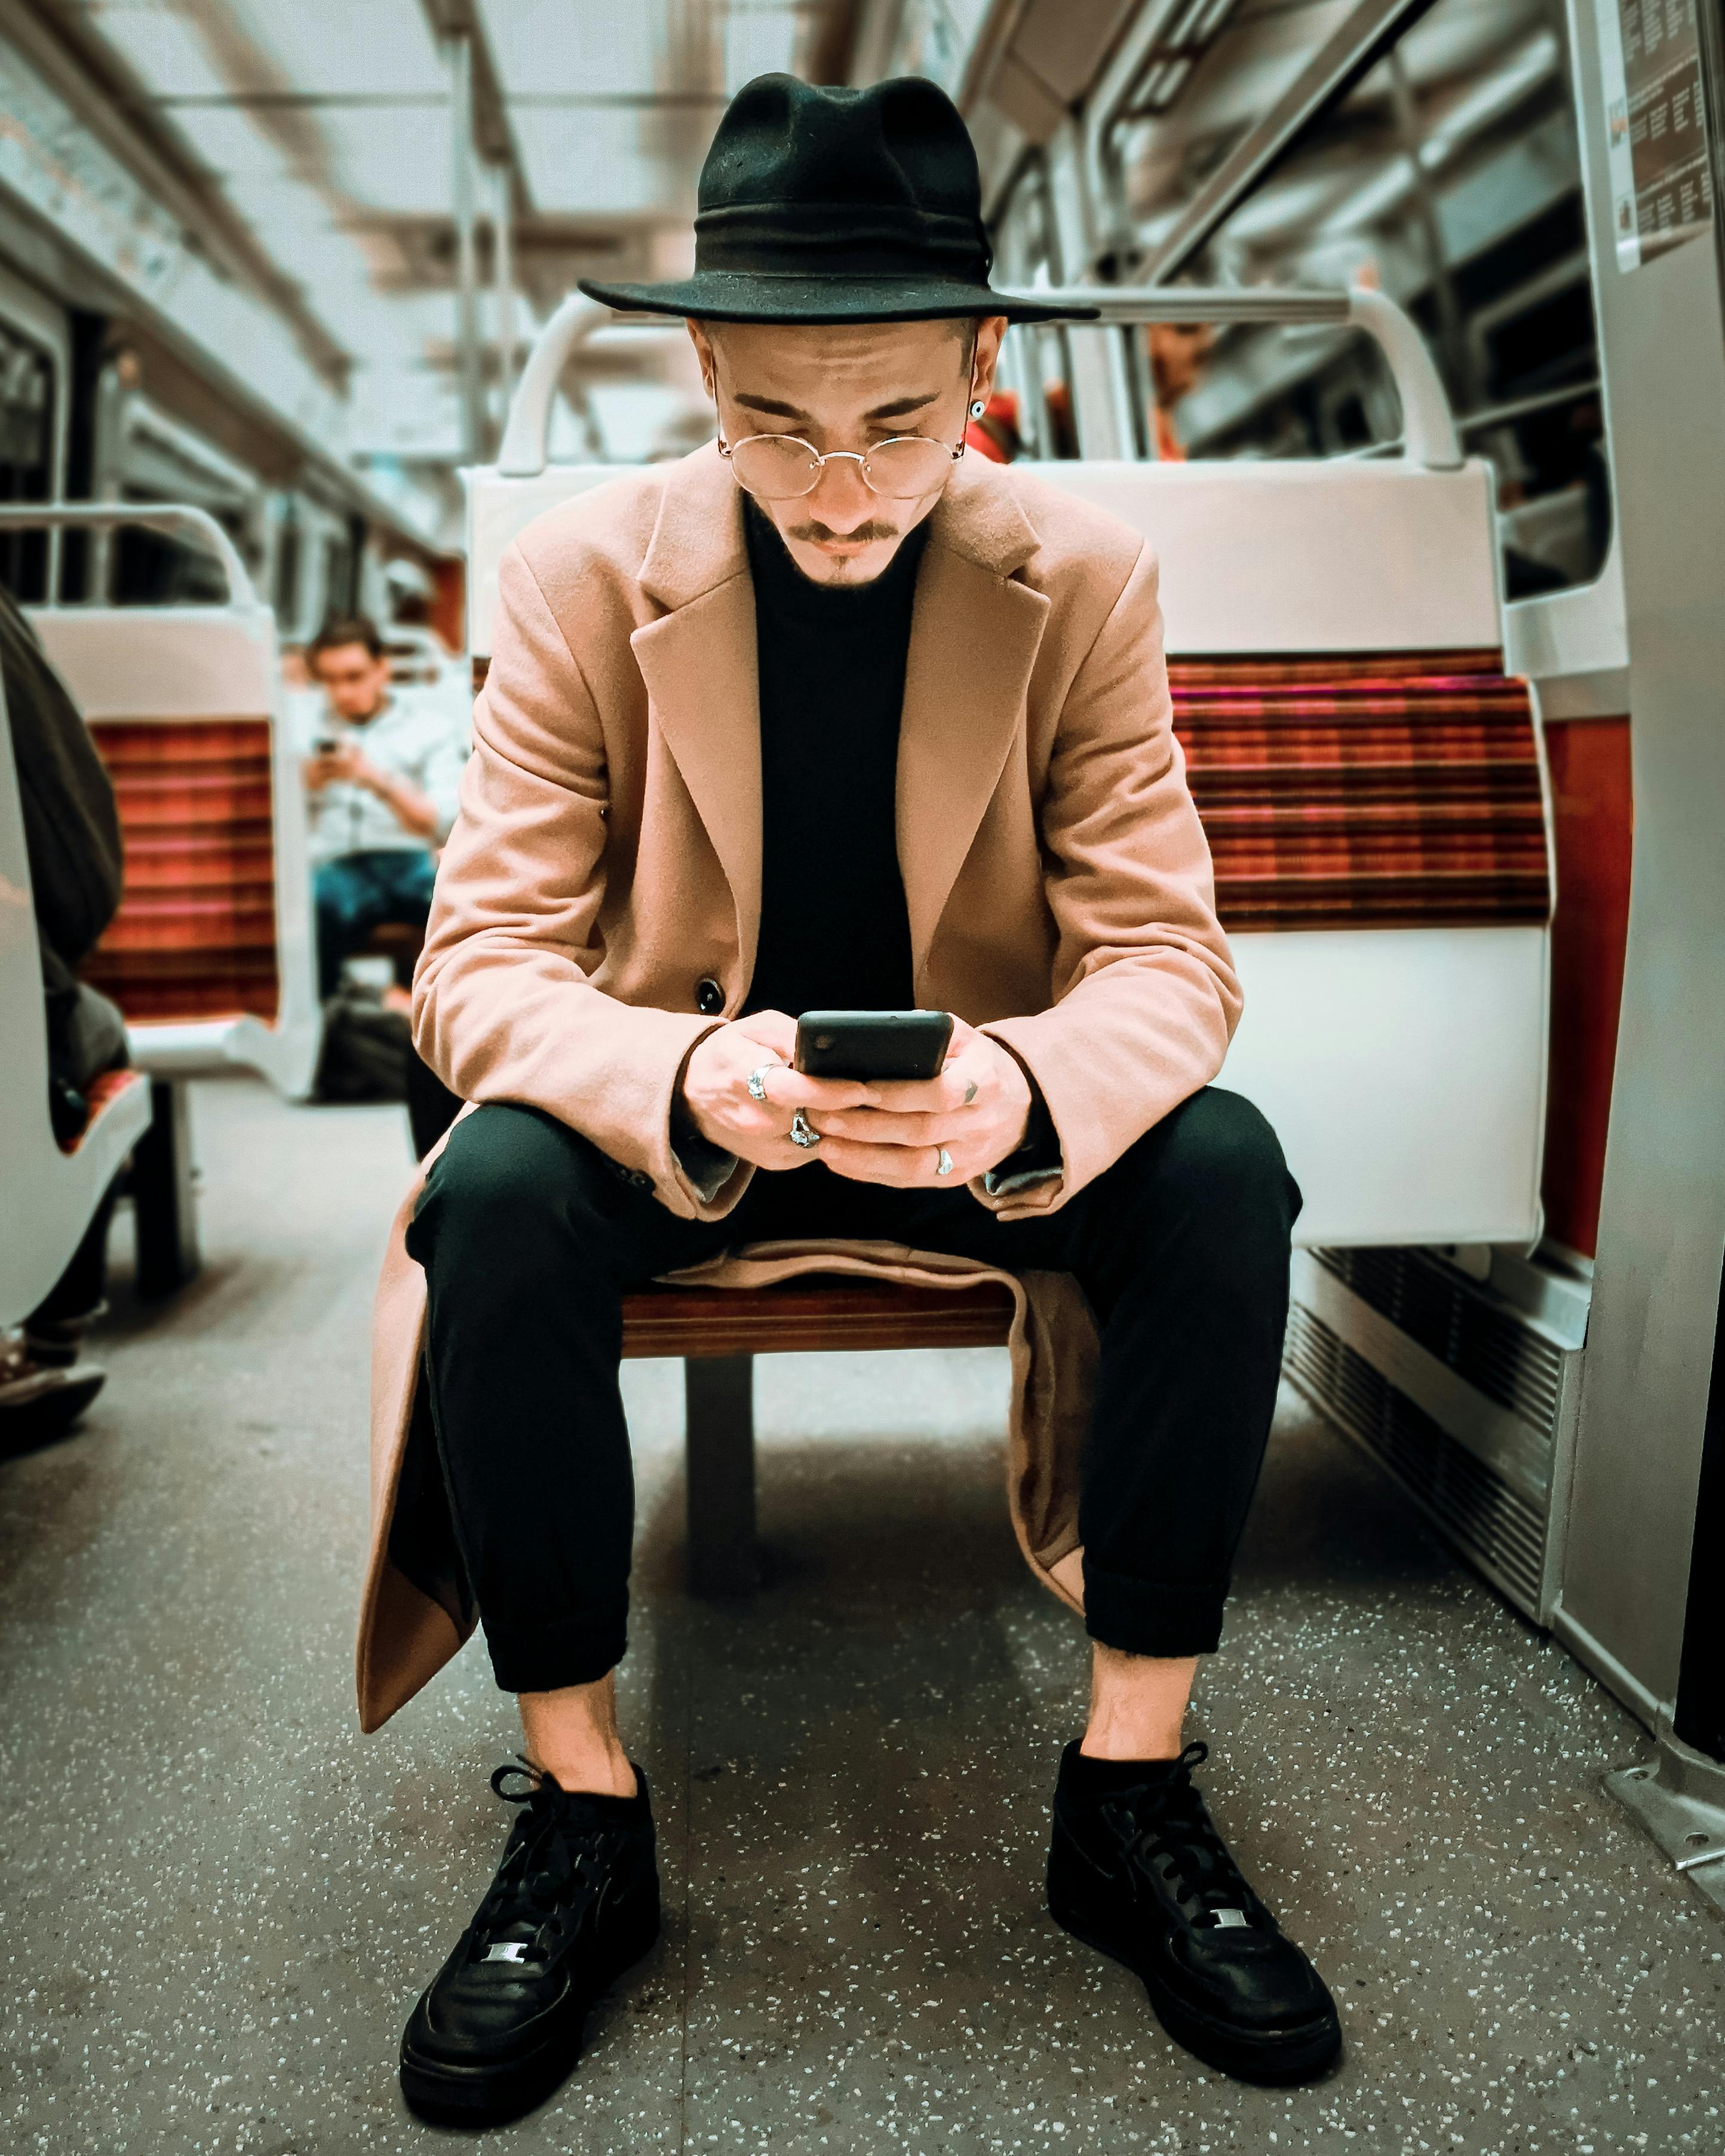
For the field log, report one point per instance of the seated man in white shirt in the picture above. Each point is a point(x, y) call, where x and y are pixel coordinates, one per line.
point(382, 780)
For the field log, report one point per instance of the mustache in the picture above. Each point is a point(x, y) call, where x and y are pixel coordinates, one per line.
point(861, 535)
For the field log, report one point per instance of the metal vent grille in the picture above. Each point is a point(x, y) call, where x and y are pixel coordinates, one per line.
point(1491, 1523)
point(1499, 1355)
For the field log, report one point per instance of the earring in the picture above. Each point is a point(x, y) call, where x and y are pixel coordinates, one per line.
point(977, 408)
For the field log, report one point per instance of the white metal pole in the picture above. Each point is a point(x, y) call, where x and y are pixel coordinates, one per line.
point(503, 271)
point(467, 330)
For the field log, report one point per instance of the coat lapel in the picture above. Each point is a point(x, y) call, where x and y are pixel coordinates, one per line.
point(974, 636)
point(698, 663)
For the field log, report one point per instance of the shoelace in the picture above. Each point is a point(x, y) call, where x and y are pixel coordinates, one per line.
point(544, 1856)
point(1177, 1841)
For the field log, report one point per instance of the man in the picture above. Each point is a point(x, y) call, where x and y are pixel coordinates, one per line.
point(381, 778)
point(1178, 353)
point(828, 714)
point(77, 869)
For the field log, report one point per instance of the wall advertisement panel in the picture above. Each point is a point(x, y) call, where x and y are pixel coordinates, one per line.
point(1662, 185)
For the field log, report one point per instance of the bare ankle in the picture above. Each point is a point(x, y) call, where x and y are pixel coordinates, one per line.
point(572, 1735)
point(1137, 1705)
point(594, 1773)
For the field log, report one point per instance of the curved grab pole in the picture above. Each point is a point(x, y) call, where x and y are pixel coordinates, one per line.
point(154, 516)
point(1428, 431)
point(526, 429)
point(1429, 436)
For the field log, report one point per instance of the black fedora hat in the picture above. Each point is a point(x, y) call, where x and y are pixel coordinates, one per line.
point(821, 205)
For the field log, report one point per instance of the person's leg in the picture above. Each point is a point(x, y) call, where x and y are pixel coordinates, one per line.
point(406, 879)
point(432, 1107)
point(529, 1237)
point(1182, 1248)
point(347, 902)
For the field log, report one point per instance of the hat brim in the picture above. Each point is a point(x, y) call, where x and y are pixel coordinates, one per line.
point(735, 296)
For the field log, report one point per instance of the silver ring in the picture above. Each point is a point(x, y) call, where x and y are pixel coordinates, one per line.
point(943, 1166)
point(802, 1134)
point(757, 1080)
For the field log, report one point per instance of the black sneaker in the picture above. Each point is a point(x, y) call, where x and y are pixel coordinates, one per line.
point(1138, 1871)
point(574, 1903)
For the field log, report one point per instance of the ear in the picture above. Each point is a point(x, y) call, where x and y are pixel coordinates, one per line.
point(990, 332)
point(703, 344)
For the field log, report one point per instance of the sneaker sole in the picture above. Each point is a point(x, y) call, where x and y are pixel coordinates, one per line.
point(1305, 2052)
point(446, 2095)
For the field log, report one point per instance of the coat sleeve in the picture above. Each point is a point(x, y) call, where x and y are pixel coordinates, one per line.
point(503, 1007)
point(1146, 998)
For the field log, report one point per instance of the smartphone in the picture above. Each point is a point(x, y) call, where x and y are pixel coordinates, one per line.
point(871, 1044)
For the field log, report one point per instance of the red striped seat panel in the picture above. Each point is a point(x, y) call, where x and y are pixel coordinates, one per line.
point(195, 935)
point(1397, 789)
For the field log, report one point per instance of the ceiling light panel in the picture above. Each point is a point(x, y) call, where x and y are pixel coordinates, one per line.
point(594, 48)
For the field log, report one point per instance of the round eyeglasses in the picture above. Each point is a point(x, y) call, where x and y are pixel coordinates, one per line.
point(783, 467)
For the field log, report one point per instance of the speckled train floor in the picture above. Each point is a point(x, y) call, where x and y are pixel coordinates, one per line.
point(220, 1901)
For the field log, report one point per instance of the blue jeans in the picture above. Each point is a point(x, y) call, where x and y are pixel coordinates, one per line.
point(358, 892)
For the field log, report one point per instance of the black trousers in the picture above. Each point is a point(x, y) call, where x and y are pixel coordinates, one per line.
point(529, 1237)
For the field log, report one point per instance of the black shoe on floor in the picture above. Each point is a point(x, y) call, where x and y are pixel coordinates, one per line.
point(574, 1903)
point(1137, 1870)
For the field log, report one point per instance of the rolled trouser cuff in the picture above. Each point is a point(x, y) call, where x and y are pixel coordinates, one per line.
point(1172, 1618)
point(574, 1651)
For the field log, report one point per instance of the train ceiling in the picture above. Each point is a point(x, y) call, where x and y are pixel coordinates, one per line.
point(321, 134)
point(327, 131)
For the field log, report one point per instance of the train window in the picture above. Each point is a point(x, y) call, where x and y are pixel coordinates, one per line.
point(150, 568)
point(27, 390)
point(1450, 176)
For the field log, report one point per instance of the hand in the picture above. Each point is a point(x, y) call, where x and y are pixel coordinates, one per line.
point(979, 1109)
point(343, 764)
point(716, 1094)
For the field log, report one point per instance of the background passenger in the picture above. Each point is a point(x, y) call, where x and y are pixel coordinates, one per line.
point(381, 777)
point(1178, 354)
point(72, 837)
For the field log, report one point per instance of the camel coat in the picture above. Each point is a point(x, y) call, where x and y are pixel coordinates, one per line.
point(605, 873)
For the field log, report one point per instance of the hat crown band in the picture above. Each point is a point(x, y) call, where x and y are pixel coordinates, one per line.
point(840, 238)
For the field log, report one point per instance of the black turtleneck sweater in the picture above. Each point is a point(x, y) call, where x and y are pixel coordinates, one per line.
point(834, 933)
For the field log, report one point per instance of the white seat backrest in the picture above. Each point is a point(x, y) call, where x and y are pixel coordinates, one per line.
point(500, 508)
point(1346, 554)
point(131, 666)
point(177, 662)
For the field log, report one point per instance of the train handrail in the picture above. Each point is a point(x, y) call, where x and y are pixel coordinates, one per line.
point(171, 517)
point(1429, 436)
point(527, 431)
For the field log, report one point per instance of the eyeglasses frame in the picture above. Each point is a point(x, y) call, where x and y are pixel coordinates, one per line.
point(858, 456)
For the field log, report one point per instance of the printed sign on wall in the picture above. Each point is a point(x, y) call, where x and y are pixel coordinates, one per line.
point(1661, 189)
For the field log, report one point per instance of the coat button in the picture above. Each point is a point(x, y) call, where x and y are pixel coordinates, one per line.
point(640, 1179)
point(709, 998)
